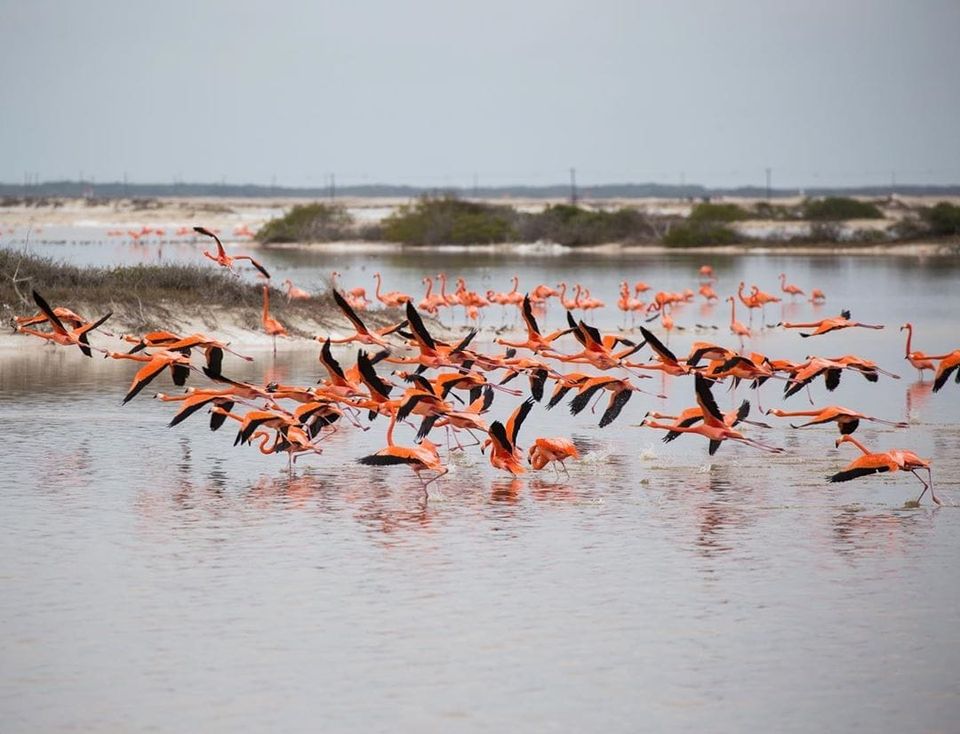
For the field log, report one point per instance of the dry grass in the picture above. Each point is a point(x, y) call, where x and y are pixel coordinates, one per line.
point(146, 297)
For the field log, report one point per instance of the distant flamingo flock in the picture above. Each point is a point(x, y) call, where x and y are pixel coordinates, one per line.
point(451, 385)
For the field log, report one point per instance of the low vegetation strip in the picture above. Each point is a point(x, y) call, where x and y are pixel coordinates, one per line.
point(451, 221)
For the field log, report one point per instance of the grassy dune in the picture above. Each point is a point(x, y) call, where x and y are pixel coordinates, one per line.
point(146, 297)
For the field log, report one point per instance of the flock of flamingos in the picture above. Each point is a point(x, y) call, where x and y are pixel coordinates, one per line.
point(451, 386)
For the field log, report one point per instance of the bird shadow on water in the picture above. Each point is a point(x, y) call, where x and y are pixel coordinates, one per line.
point(720, 504)
point(858, 532)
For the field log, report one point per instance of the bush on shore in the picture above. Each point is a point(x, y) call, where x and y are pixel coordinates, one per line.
point(699, 234)
point(839, 208)
point(316, 222)
point(449, 221)
point(942, 219)
point(571, 225)
point(707, 212)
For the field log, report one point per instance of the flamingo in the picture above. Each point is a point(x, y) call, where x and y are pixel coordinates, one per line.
point(789, 289)
point(888, 461)
point(918, 359)
point(714, 426)
point(295, 293)
point(568, 304)
point(225, 260)
point(393, 299)
point(60, 334)
point(270, 325)
point(737, 327)
point(421, 458)
point(825, 326)
point(502, 440)
point(948, 363)
point(553, 451)
point(847, 420)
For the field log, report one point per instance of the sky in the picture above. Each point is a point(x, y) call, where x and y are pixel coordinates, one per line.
point(444, 93)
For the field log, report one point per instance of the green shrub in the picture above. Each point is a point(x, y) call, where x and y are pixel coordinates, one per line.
point(695, 235)
point(766, 210)
point(572, 226)
point(707, 212)
point(839, 208)
point(308, 223)
point(447, 220)
point(943, 219)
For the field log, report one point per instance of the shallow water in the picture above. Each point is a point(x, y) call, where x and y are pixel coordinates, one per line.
point(161, 578)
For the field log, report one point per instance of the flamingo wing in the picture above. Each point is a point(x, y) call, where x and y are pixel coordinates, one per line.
point(517, 418)
point(617, 401)
point(257, 265)
point(350, 313)
point(420, 333)
point(711, 413)
point(48, 312)
point(145, 376)
point(204, 231)
point(370, 377)
point(528, 317)
point(328, 361)
point(658, 346)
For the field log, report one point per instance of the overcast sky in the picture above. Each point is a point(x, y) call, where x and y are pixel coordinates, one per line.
point(433, 92)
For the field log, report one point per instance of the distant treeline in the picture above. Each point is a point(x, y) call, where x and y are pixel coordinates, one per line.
point(81, 189)
point(451, 221)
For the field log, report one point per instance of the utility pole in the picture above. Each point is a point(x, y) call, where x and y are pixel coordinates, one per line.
point(768, 171)
point(333, 187)
point(476, 187)
point(573, 187)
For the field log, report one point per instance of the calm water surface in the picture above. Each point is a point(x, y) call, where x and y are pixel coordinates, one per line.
point(162, 579)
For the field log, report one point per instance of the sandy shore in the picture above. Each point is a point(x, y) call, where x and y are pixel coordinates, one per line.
point(233, 215)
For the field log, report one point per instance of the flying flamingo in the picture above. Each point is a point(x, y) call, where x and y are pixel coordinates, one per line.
point(714, 426)
point(918, 359)
point(361, 334)
point(421, 458)
point(888, 461)
point(502, 440)
point(948, 363)
point(225, 260)
point(847, 420)
point(825, 326)
point(60, 334)
point(270, 325)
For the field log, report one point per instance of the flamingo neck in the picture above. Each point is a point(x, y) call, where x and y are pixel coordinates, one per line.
point(855, 442)
point(393, 421)
point(909, 338)
point(429, 287)
point(266, 303)
point(377, 276)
